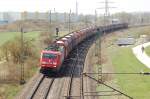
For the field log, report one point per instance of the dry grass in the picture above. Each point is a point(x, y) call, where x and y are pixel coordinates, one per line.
point(29, 25)
point(10, 73)
point(10, 77)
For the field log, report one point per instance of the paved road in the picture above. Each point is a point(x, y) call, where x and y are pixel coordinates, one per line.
point(141, 55)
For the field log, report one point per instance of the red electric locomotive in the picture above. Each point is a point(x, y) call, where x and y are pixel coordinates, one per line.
point(52, 57)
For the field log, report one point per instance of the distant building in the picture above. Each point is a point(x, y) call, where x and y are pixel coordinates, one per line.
point(2, 19)
point(9, 17)
point(3, 22)
point(125, 41)
point(1, 16)
point(115, 21)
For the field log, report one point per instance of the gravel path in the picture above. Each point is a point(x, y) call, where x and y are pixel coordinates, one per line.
point(141, 55)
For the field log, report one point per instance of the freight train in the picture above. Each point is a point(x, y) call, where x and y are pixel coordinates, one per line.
point(53, 56)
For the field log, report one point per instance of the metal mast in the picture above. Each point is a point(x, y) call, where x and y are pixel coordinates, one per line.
point(22, 76)
point(69, 21)
point(106, 13)
point(76, 8)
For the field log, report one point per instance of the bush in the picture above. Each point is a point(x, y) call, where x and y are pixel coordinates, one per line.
point(12, 50)
point(47, 38)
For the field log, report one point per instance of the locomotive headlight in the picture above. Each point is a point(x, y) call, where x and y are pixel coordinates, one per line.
point(44, 62)
point(54, 63)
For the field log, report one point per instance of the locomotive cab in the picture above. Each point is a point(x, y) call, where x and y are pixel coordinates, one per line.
point(51, 59)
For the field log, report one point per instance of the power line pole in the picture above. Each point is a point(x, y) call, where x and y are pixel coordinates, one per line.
point(50, 18)
point(50, 22)
point(107, 13)
point(22, 77)
point(95, 23)
point(56, 24)
point(37, 15)
point(86, 21)
point(69, 23)
point(98, 50)
point(76, 8)
point(22, 80)
point(99, 42)
point(56, 16)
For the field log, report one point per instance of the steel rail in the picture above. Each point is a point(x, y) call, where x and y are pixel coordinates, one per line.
point(48, 90)
point(71, 77)
point(79, 58)
point(35, 88)
point(142, 73)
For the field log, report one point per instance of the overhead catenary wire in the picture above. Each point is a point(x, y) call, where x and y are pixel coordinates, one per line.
point(140, 73)
point(121, 93)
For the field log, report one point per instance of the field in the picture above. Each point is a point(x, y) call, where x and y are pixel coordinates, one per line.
point(135, 85)
point(147, 50)
point(122, 60)
point(5, 36)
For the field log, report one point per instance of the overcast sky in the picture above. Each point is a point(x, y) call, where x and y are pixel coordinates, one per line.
point(85, 6)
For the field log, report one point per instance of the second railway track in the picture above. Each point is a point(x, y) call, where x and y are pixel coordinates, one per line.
point(75, 82)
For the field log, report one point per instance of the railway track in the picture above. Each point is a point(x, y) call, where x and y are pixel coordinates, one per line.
point(75, 86)
point(71, 84)
point(72, 74)
point(41, 88)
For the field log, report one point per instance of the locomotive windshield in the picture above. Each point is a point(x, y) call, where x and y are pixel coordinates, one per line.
point(49, 56)
point(54, 47)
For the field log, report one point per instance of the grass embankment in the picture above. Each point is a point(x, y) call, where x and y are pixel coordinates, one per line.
point(124, 60)
point(147, 50)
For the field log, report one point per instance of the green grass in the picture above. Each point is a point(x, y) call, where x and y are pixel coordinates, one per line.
point(5, 36)
point(124, 60)
point(147, 50)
